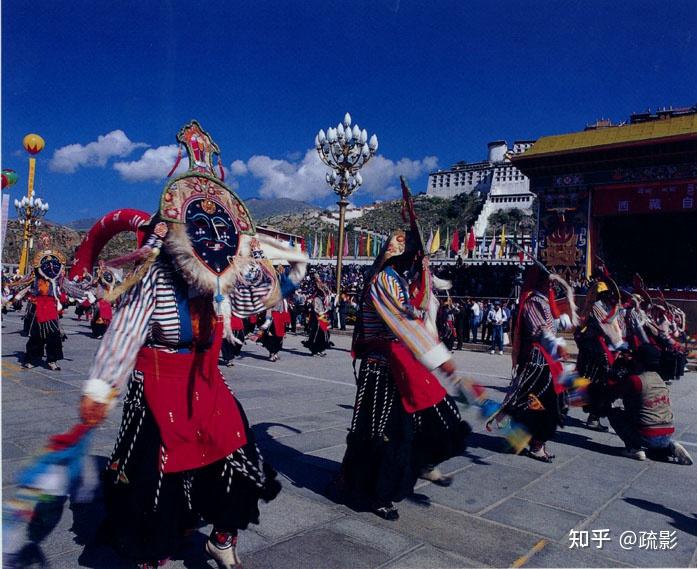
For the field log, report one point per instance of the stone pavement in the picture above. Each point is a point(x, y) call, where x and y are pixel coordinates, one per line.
point(501, 510)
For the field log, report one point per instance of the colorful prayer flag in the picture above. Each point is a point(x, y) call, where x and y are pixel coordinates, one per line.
point(455, 245)
point(435, 245)
point(471, 240)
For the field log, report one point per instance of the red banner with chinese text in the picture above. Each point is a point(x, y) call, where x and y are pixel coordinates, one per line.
point(656, 197)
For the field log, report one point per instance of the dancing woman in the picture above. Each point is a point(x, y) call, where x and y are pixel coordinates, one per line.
point(318, 327)
point(403, 423)
point(534, 398)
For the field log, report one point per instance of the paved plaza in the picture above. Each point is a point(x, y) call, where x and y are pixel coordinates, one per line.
point(501, 510)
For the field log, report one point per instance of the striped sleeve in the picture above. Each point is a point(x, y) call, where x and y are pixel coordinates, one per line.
point(125, 336)
point(388, 300)
point(538, 322)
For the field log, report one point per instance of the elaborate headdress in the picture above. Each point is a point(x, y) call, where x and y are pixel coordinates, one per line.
point(206, 228)
point(602, 284)
point(538, 279)
point(408, 242)
point(49, 267)
point(108, 277)
point(206, 221)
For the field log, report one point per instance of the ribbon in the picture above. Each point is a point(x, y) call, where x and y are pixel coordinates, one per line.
point(179, 159)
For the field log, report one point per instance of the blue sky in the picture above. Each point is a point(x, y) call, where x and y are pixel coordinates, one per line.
point(108, 84)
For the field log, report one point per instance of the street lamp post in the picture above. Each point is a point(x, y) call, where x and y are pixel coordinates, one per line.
point(29, 212)
point(29, 209)
point(345, 149)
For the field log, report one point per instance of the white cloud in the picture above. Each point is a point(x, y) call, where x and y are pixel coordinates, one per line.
point(238, 168)
point(305, 180)
point(154, 164)
point(381, 175)
point(112, 145)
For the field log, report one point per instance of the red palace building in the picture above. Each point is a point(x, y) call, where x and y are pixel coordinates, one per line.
point(624, 193)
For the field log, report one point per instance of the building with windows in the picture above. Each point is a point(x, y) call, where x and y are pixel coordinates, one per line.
point(626, 194)
point(504, 186)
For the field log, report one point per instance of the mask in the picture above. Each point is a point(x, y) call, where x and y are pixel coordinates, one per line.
point(212, 233)
point(50, 267)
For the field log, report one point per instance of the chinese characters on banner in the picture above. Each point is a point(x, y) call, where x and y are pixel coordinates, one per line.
point(668, 197)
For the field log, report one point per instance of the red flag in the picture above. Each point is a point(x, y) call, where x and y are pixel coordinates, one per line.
point(471, 240)
point(521, 256)
point(455, 245)
point(345, 252)
point(407, 204)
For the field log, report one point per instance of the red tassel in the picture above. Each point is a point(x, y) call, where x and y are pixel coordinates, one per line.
point(69, 438)
point(554, 309)
point(214, 351)
point(179, 159)
point(222, 170)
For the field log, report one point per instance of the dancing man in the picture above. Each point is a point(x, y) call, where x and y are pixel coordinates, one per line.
point(103, 310)
point(274, 329)
point(42, 320)
point(598, 340)
point(185, 450)
point(232, 345)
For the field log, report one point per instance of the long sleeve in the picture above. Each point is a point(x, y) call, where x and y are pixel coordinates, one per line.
point(538, 322)
point(396, 314)
point(125, 336)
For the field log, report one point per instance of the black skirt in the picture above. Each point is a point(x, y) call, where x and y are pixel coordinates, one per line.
point(230, 350)
point(672, 364)
point(270, 341)
point(318, 339)
point(531, 399)
point(148, 512)
point(387, 447)
point(98, 328)
point(592, 361)
point(44, 336)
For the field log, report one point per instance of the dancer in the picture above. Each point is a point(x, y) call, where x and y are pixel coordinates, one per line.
point(318, 327)
point(42, 319)
point(533, 398)
point(645, 424)
point(233, 346)
point(274, 329)
point(102, 311)
point(403, 423)
point(446, 324)
point(185, 450)
point(598, 339)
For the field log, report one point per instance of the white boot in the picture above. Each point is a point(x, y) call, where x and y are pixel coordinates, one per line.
point(225, 555)
point(680, 454)
point(436, 476)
